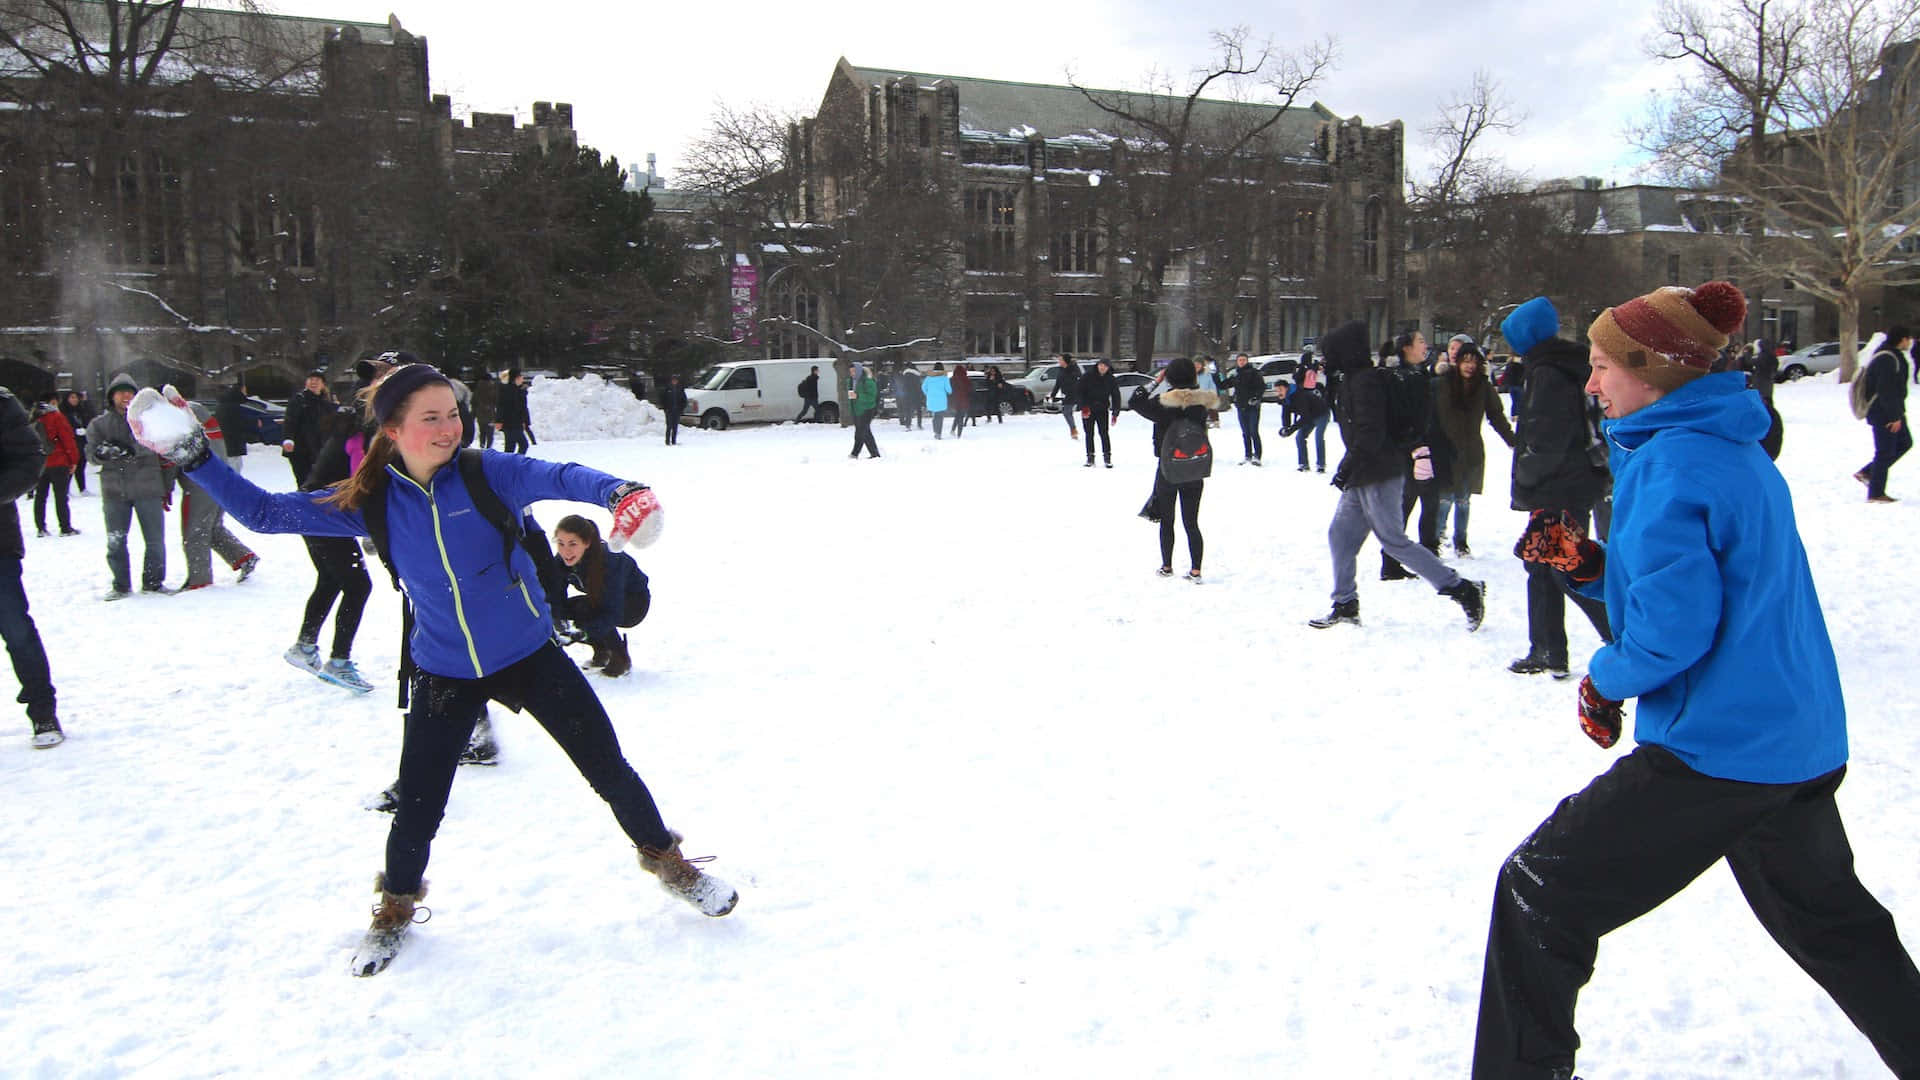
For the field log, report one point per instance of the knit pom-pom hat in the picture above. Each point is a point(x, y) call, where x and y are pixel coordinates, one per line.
point(1670, 336)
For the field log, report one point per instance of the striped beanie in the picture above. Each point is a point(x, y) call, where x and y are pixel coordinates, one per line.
point(1670, 336)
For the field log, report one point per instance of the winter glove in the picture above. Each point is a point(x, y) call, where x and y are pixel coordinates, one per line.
point(1553, 538)
point(637, 517)
point(1422, 464)
point(113, 450)
point(1086, 413)
point(1599, 716)
point(1115, 418)
point(166, 426)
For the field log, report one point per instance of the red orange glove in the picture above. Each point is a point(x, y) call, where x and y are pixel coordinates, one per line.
point(1553, 538)
point(1600, 717)
point(637, 517)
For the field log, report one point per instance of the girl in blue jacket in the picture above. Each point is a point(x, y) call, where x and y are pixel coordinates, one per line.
point(481, 627)
point(1741, 725)
point(614, 592)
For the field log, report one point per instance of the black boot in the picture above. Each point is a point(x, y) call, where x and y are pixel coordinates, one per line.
point(1344, 611)
point(602, 648)
point(618, 662)
point(1472, 598)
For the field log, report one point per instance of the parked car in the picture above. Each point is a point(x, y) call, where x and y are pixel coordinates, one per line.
point(1019, 399)
point(1039, 384)
point(265, 420)
point(1809, 360)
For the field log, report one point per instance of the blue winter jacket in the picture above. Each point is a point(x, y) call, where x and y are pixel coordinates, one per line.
point(625, 586)
point(1718, 630)
point(936, 388)
point(472, 616)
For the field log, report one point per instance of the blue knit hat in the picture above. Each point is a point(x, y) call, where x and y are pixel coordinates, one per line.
point(1530, 324)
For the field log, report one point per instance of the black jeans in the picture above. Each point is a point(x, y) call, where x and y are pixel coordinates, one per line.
point(23, 643)
point(545, 684)
point(1097, 421)
point(1547, 598)
point(1249, 417)
point(863, 434)
point(1637, 835)
point(340, 571)
point(513, 439)
point(1888, 447)
point(1188, 496)
point(52, 478)
point(673, 428)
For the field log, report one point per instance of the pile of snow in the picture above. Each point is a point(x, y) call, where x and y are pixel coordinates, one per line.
point(589, 407)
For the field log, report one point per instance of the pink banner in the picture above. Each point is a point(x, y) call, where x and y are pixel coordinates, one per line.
point(746, 296)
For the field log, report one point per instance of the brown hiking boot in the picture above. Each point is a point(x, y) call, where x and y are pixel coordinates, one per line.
point(391, 917)
point(618, 662)
point(600, 652)
point(679, 876)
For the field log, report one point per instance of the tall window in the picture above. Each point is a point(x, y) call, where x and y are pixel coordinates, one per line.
point(1297, 233)
point(1075, 247)
point(1082, 334)
point(275, 227)
point(152, 209)
point(996, 334)
point(19, 238)
point(798, 308)
point(1372, 251)
point(990, 229)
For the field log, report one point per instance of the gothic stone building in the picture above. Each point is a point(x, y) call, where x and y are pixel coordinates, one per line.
point(234, 223)
point(1037, 173)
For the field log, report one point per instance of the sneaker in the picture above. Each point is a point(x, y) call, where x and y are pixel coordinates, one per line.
point(194, 585)
point(1089, 463)
point(1535, 664)
point(116, 594)
point(1165, 571)
point(69, 532)
point(1344, 611)
point(1109, 463)
point(159, 590)
point(386, 802)
point(1305, 468)
point(1462, 551)
point(1472, 598)
point(303, 656)
point(343, 673)
point(47, 733)
point(1193, 576)
point(1243, 461)
point(42, 533)
point(247, 566)
point(1881, 499)
point(1320, 468)
point(1256, 463)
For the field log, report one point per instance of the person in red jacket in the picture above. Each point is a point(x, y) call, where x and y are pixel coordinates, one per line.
point(962, 399)
point(63, 457)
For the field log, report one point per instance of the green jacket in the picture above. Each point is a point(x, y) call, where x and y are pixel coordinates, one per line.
point(866, 395)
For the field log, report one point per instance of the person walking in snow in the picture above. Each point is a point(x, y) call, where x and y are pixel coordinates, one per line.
point(1428, 466)
point(866, 406)
point(1369, 478)
point(673, 401)
point(997, 393)
point(809, 394)
point(1886, 391)
point(63, 457)
point(614, 593)
point(21, 462)
point(1066, 387)
point(906, 397)
point(962, 398)
point(1741, 727)
point(1182, 399)
point(1306, 412)
point(74, 406)
point(1559, 471)
point(300, 434)
point(135, 484)
point(339, 568)
point(203, 529)
point(514, 414)
point(937, 389)
point(1099, 395)
point(1463, 402)
point(1249, 388)
point(481, 630)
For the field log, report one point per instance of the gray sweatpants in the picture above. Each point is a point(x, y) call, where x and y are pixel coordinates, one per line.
point(1374, 509)
point(203, 531)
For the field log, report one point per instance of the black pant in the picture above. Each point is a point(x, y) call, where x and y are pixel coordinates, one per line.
point(1888, 447)
point(340, 571)
point(808, 405)
point(1547, 598)
point(513, 439)
point(580, 609)
point(80, 470)
point(1097, 421)
point(1421, 493)
point(547, 685)
point(673, 428)
point(1249, 417)
point(23, 643)
point(485, 432)
point(1637, 835)
point(863, 434)
point(1188, 495)
point(52, 478)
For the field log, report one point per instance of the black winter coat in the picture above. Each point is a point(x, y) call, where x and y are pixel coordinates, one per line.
point(1553, 468)
point(674, 400)
point(1067, 386)
point(1099, 392)
point(1886, 377)
point(236, 427)
point(1249, 386)
point(21, 459)
point(1360, 408)
point(1195, 405)
point(306, 423)
point(512, 407)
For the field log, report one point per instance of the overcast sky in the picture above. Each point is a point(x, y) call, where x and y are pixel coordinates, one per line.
point(644, 78)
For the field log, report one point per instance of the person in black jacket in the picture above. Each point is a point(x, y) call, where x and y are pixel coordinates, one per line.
point(1428, 468)
point(236, 427)
point(1182, 399)
point(1369, 478)
point(673, 399)
point(1886, 377)
point(303, 429)
point(21, 459)
point(1559, 468)
point(1249, 387)
point(1099, 407)
point(514, 417)
point(615, 594)
point(809, 394)
point(339, 566)
point(1066, 387)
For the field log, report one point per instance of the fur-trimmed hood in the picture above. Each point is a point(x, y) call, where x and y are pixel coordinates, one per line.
point(1180, 399)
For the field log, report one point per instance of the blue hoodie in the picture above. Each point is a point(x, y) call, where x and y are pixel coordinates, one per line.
point(471, 617)
point(1718, 630)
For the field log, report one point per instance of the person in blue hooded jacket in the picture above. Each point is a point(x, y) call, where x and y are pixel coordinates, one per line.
point(1741, 725)
point(481, 627)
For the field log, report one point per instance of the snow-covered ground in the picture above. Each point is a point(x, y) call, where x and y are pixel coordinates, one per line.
point(998, 800)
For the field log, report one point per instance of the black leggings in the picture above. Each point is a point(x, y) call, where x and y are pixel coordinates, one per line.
point(1188, 496)
point(339, 571)
point(547, 685)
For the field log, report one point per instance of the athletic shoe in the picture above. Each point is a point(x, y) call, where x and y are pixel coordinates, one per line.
point(1165, 571)
point(47, 733)
point(1346, 611)
point(343, 673)
point(303, 656)
point(247, 566)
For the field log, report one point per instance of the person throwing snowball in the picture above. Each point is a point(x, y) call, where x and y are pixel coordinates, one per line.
point(480, 628)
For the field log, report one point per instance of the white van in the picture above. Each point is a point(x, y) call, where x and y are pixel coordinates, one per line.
point(757, 392)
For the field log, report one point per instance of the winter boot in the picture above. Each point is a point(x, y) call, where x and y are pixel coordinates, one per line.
point(481, 749)
point(1472, 598)
point(1535, 664)
point(679, 876)
point(1344, 611)
point(602, 650)
point(47, 733)
point(392, 916)
point(618, 662)
point(247, 566)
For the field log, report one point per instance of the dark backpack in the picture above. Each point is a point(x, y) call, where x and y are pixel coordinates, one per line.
point(516, 530)
point(1409, 406)
point(1185, 453)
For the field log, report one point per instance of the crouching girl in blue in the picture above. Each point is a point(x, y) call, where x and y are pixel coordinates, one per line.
point(481, 627)
point(614, 592)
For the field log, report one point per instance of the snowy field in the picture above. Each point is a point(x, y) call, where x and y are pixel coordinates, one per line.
point(998, 800)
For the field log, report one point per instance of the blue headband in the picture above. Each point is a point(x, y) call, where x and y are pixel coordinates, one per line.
point(399, 385)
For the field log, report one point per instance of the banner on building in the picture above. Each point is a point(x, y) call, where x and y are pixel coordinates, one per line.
point(746, 301)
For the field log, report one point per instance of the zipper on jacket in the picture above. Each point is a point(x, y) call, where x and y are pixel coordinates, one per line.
point(440, 542)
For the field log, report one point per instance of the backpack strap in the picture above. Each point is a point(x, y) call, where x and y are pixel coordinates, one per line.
point(488, 502)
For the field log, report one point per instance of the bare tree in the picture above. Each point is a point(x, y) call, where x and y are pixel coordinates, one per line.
point(1741, 58)
point(1463, 173)
point(1174, 143)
